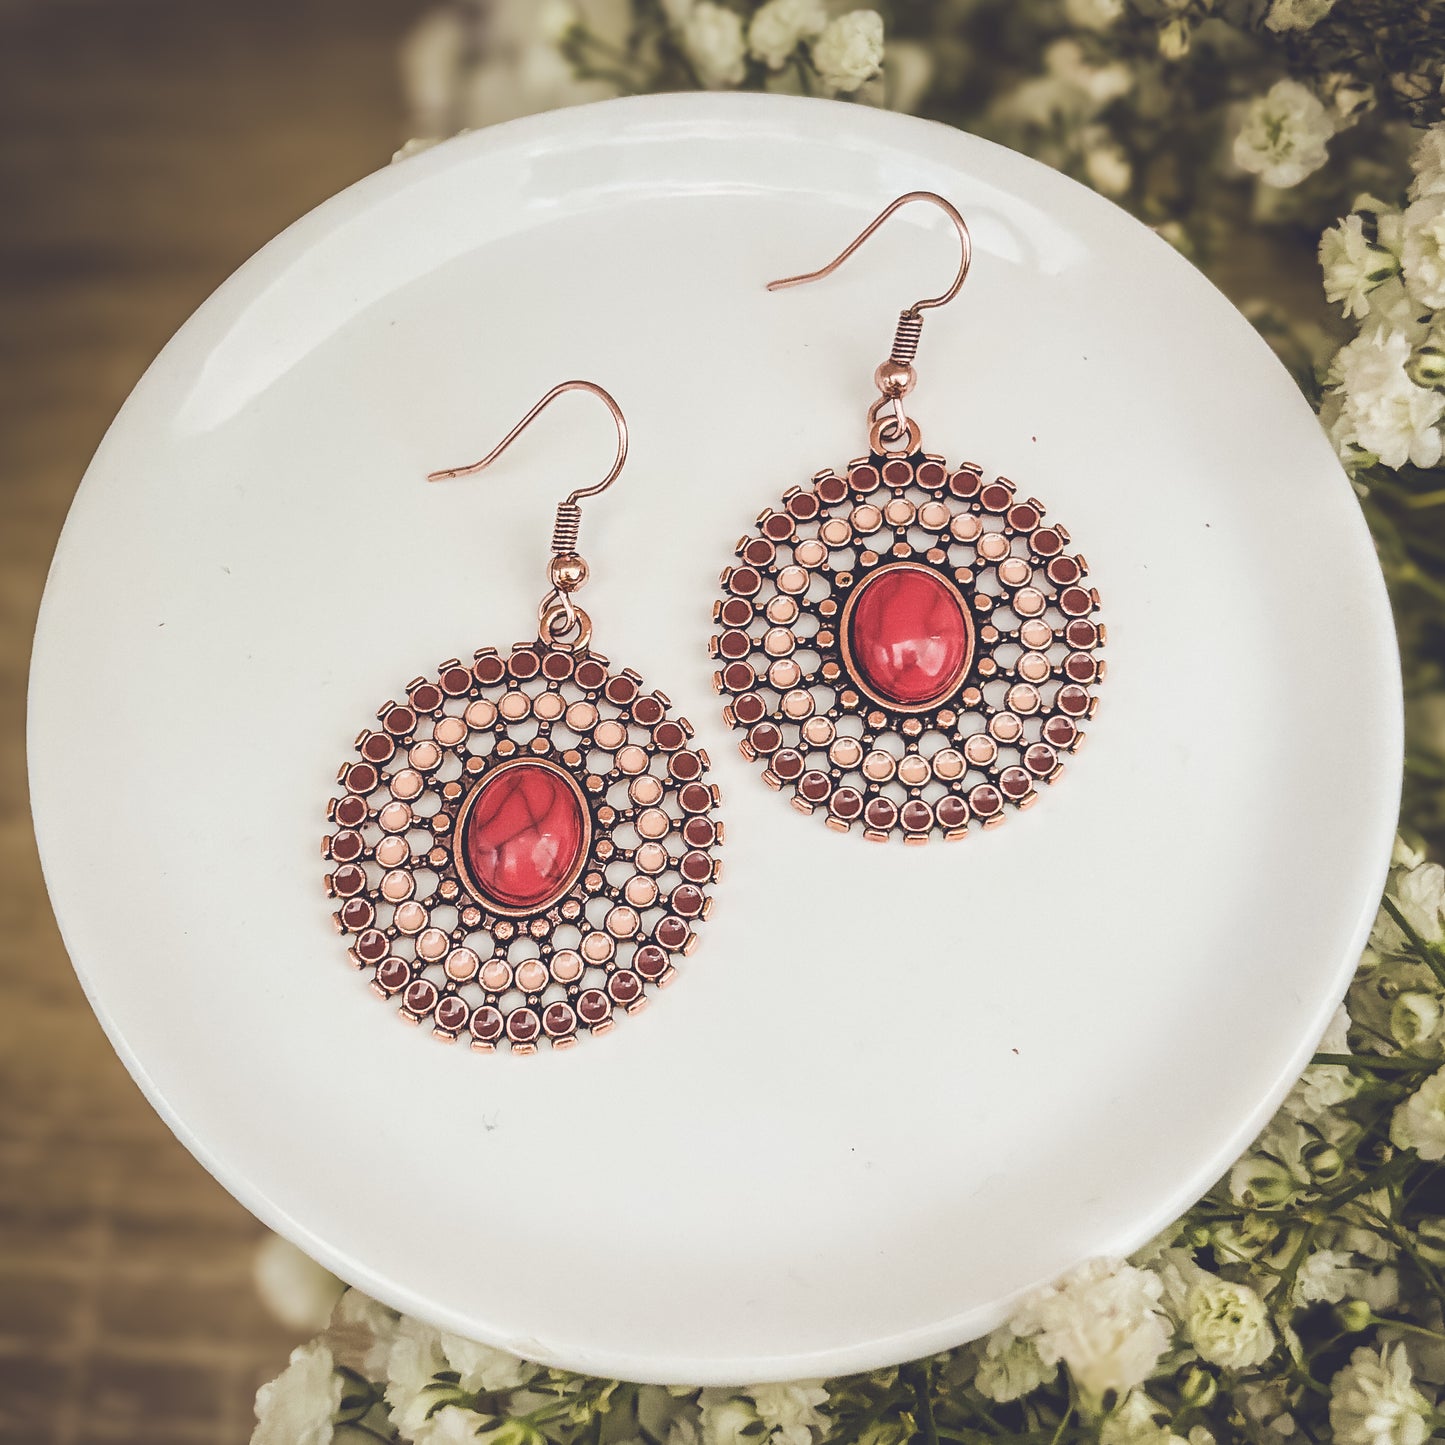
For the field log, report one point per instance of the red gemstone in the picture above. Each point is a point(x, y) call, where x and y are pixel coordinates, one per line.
point(523, 837)
point(910, 639)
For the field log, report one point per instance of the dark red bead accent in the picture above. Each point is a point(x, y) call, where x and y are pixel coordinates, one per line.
point(863, 478)
point(685, 766)
point(348, 880)
point(737, 612)
point(591, 674)
point(625, 987)
point(1080, 666)
point(695, 798)
point(832, 490)
point(880, 813)
point(399, 721)
point(487, 1024)
point(524, 663)
point(650, 961)
point(814, 786)
point(898, 473)
point(952, 811)
point(1014, 782)
point(1075, 601)
point(489, 670)
point(738, 676)
point(371, 945)
point(557, 666)
point(672, 933)
point(648, 711)
point(558, 1020)
point(346, 846)
point(594, 1006)
point(766, 738)
point(621, 690)
point(356, 914)
point(995, 497)
point(695, 867)
point(352, 811)
point(759, 552)
point(1046, 542)
point(803, 506)
point(451, 1013)
point(1060, 731)
point(1040, 758)
point(779, 527)
point(749, 708)
point(1024, 517)
point(523, 1025)
point(427, 697)
point(964, 483)
point(669, 735)
point(456, 681)
point(377, 748)
point(1064, 570)
point(1073, 700)
point(788, 764)
point(985, 800)
point(744, 582)
point(847, 803)
point(698, 833)
point(916, 816)
point(930, 475)
point(1081, 633)
point(734, 644)
point(686, 900)
point(392, 974)
point(420, 997)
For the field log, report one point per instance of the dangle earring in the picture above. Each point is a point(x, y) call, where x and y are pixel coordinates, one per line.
point(525, 844)
point(906, 646)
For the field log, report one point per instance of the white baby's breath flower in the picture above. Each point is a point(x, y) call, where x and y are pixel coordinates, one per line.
point(1297, 14)
point(1322, 1087)
point(790, 1411)
point(677, 11)
point(482, 1367)
point(1373, 1401)
point(1264, 1404)
point(1422, 258)
point(1419, 1122)
point(1387, 414)
point(1093, 14)
point(779, 26)
point(361, 1334)
point(1418, 890)
point(414, 1360)
point(1284, 135)
point(451, 1425)
point(1427, 160)
point(1137, 1420)
point(299, 1405)
point(728, 1420)
point(712, 39)
point(1228, 1324)
point(1415, 1018)
point(1326, 1277)
point(1103, 1321)
point(1010, 1367)
point(849, 51)
point(297, 1290)
point(1353, 265)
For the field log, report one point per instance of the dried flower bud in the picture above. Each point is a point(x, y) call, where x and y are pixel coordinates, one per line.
point(1414, 1018)
point(1323, 1161)
point(1427, 366)
point(1354, 1315)
point(1262, 1183)
point(1174, 39)
point(1198, 1387)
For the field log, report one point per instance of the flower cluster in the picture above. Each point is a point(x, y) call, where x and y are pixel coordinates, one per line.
point(1301, 1299)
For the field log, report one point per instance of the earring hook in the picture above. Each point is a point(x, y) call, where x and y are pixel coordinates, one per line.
point(558, 615)
point(578, 493)
point(965, 242)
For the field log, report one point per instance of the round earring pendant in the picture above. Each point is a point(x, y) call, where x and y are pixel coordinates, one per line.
point(522, 848)
point(907, 648)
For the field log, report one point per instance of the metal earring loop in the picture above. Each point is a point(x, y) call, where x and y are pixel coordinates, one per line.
point(567, 570)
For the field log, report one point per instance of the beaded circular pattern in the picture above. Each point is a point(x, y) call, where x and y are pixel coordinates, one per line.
point(908, 649)
point(522, 848)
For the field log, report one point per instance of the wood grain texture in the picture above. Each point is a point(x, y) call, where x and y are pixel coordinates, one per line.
point(147, 147)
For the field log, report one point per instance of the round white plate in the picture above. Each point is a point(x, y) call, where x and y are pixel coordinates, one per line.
point(780, 1169)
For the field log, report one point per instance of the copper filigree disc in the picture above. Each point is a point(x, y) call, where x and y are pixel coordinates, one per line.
point(1019, 648)
point(626, 900)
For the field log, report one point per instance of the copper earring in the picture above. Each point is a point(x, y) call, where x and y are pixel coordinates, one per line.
point(906, 646)
point(525, 845)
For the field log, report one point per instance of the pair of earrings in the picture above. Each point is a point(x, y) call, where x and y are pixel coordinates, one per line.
point(527, 843)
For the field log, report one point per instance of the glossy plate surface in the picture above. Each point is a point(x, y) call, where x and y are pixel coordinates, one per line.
point(895, 1088)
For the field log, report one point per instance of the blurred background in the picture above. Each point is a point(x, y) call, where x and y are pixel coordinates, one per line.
point(147, 147)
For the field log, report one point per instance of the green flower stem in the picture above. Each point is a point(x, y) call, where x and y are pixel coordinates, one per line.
point(1428, 956)
point(921, 1378)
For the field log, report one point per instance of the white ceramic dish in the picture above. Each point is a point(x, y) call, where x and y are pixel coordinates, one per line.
point(776, 1171)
